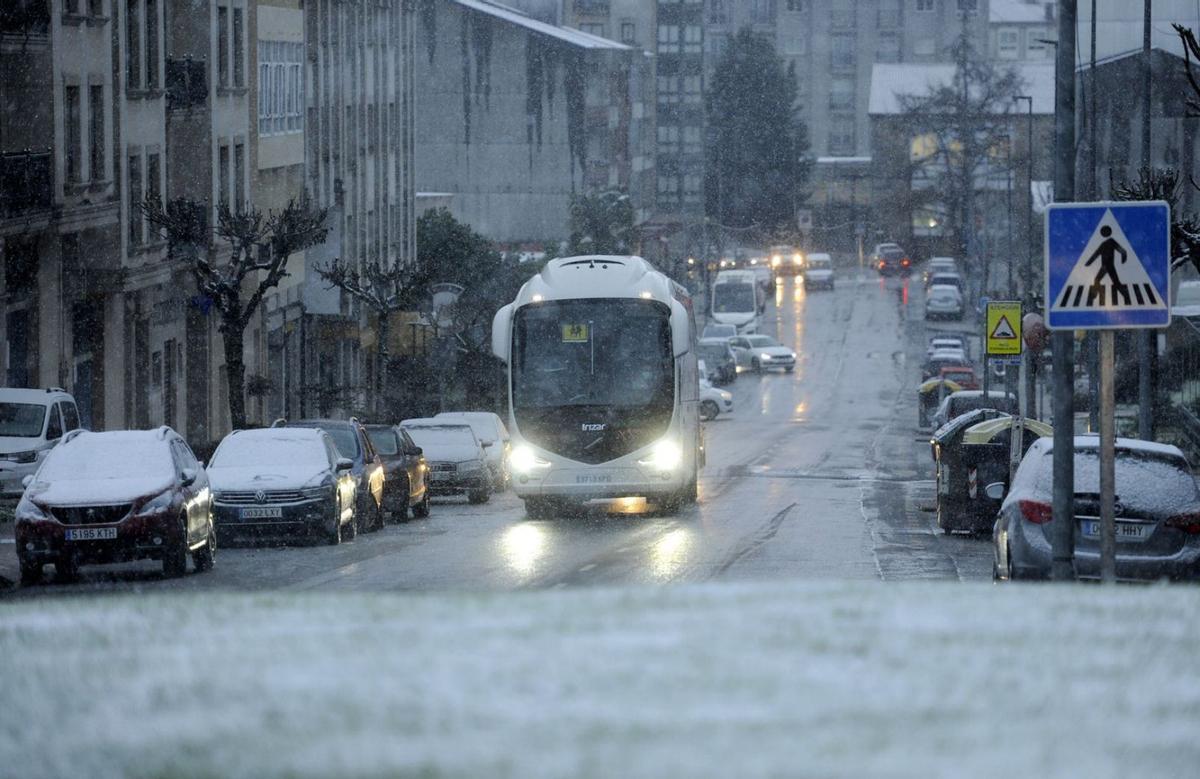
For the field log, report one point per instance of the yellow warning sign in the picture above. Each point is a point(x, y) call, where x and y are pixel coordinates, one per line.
point(574, 334)
point(1003, 327)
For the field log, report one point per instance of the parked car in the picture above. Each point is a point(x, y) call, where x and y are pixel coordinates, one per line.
point(889, 259)
point(352, 442)
point(283, 482)
point(713, 401)
point(494, 438)
point(719, 357)
point(942, 341)
point(962, 375)
point(938, 265)
point(405, 481)
point(943, 302)
point(716, 330)
point(31, 422)
point(762, 352)
point(944, 358)
point(945, 279)
point(819, 271)
point(457, 464)
point(958, 403)
point(1157, 513)
point(113, 497)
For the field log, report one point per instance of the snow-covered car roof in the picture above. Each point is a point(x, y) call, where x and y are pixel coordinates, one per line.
point(979, 394)
point(38, 396)
point(1122, 444)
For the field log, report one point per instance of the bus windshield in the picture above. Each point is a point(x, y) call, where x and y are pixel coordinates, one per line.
point(733, 298)
point(602, 352)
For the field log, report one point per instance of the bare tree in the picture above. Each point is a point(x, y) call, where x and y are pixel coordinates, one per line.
point(259, 244)
point(384, 288)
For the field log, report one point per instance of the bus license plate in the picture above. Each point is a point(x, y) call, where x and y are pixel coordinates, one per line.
point(91, 533)
point(1125, 531)
point(594, 478)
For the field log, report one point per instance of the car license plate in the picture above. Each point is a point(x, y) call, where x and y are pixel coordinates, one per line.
point(91, 533)
point(262, 512)
point(1125, 531)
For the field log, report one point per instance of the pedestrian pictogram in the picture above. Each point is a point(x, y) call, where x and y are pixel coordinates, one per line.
point(1003, 327)
point(575, 334)
point(1107, 265)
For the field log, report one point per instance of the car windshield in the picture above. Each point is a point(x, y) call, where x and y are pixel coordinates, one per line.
point(592, 353)
point(94, 456)
point(713, 352)
point(386, 442)
point(345, 440)
point(761, 341)
point(733, 298)
point(818, 264)
point(22, 420)
point(258, 448)
point(433, 436)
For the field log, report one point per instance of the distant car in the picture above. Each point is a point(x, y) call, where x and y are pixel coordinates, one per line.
point(1157, 513)
point(958, 403)
point(962, 375)
point(352, 442)
point(455, 458)
point(890, 260)
point(494, 438)
point(947, 341)
point(31, 422)
point(713, 401)
point(112, 497)
point(944, 358)
point(282, 481)
point(404, 472)
point(938, 265)
point(819, 272)
point(943, 302)
point(946, 280)
point(1186, 300)
point(714, 331)
point(762, 352)
point(719, 357)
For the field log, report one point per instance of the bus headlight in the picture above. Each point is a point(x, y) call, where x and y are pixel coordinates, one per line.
point(797, 259)
point(664, 456)
point(524, 461)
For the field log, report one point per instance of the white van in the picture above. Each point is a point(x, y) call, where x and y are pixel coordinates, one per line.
point(31, 422)
point(737, 299)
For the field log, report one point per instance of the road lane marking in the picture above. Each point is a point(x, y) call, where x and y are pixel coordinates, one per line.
point(587, 567)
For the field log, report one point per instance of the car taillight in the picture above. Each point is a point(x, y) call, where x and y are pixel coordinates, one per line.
point(1035, 511)
point(1188, 523)
point(905, 262)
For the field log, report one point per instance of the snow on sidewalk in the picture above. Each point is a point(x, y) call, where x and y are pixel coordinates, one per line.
point(745, 680)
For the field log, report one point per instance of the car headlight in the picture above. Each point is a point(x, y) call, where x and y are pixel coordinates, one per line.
point(726, 396)
point(23, 458)
point(765, 357)
point(664, 456)
point(28, 511)
point(523, 460)
point(156, 505)
point(797, 259)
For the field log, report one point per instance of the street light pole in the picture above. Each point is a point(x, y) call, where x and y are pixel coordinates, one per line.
point(1031, 367)
point(1147, 339)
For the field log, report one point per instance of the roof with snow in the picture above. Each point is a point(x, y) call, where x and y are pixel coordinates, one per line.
point(890, 81)
point(1123, 55)
point(565, 34)
point(1019, 12)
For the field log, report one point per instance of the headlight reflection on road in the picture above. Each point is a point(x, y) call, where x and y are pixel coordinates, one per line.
point(670, 552)
point(522, 546)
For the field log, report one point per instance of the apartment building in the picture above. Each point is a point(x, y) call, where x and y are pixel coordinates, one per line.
point(1022, 30)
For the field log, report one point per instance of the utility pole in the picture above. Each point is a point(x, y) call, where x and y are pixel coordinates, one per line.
point(1147, 339)
point(1062, 526)
point(1093, 343)
point(1031, 359)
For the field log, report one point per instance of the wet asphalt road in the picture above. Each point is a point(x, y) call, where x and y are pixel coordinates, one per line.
point(818, 474)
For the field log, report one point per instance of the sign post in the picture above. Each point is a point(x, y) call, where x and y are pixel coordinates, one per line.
point(1108, 267)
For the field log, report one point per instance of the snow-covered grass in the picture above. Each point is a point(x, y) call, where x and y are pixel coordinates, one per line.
point(730, 680)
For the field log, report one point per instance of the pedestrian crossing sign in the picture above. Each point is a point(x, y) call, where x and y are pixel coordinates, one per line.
point(1108, 265)
point(1003, 327)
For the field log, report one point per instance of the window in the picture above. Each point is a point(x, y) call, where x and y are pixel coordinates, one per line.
point(135, 198)
point(691, 140)
point(762, 11)
point(691, 188)
point(668, 89)
point(96, 7)
point(593, 28)
point(716, 12)
point(717, 43)
point(154, 177)
point(628, 32)
point(889, 13)
point(841, 15)
point(1008, 43)
point(1037, 49)
point(668, 189)
point(239, 177)
point(841, 93)
point(223, 175)
point(280, 92)
point(54, 428)
point(151, 44)
point(691, 89)
point(841, 135)
point(223, 46)
point(133, 45)
point(841, 51)
point(925, 47)
point(70, 416)
point(96, 132)
point(693, 39)
point(668, 38)
point(925, 5)
point(887, 48)
point(71, 133)
point(795, 5)
point(668, 139)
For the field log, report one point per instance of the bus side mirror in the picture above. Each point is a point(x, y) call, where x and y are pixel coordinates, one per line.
point(502, 333)
point(681, 329)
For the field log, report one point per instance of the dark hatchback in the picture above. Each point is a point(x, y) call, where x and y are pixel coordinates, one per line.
point(404, 472)
point(352, 442)
point(890, 260)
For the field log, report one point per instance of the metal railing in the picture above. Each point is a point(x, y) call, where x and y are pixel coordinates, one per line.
point(1180, 380)
point(26, 182)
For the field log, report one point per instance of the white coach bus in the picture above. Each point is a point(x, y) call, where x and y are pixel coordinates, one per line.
point(602, 385)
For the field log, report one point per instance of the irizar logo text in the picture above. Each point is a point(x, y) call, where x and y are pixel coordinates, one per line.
point(594, 427)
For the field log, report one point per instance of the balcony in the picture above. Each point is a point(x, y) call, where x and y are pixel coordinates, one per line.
point(26, 183)
point(591, 7)
point(187, 83)
point(24, 17)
